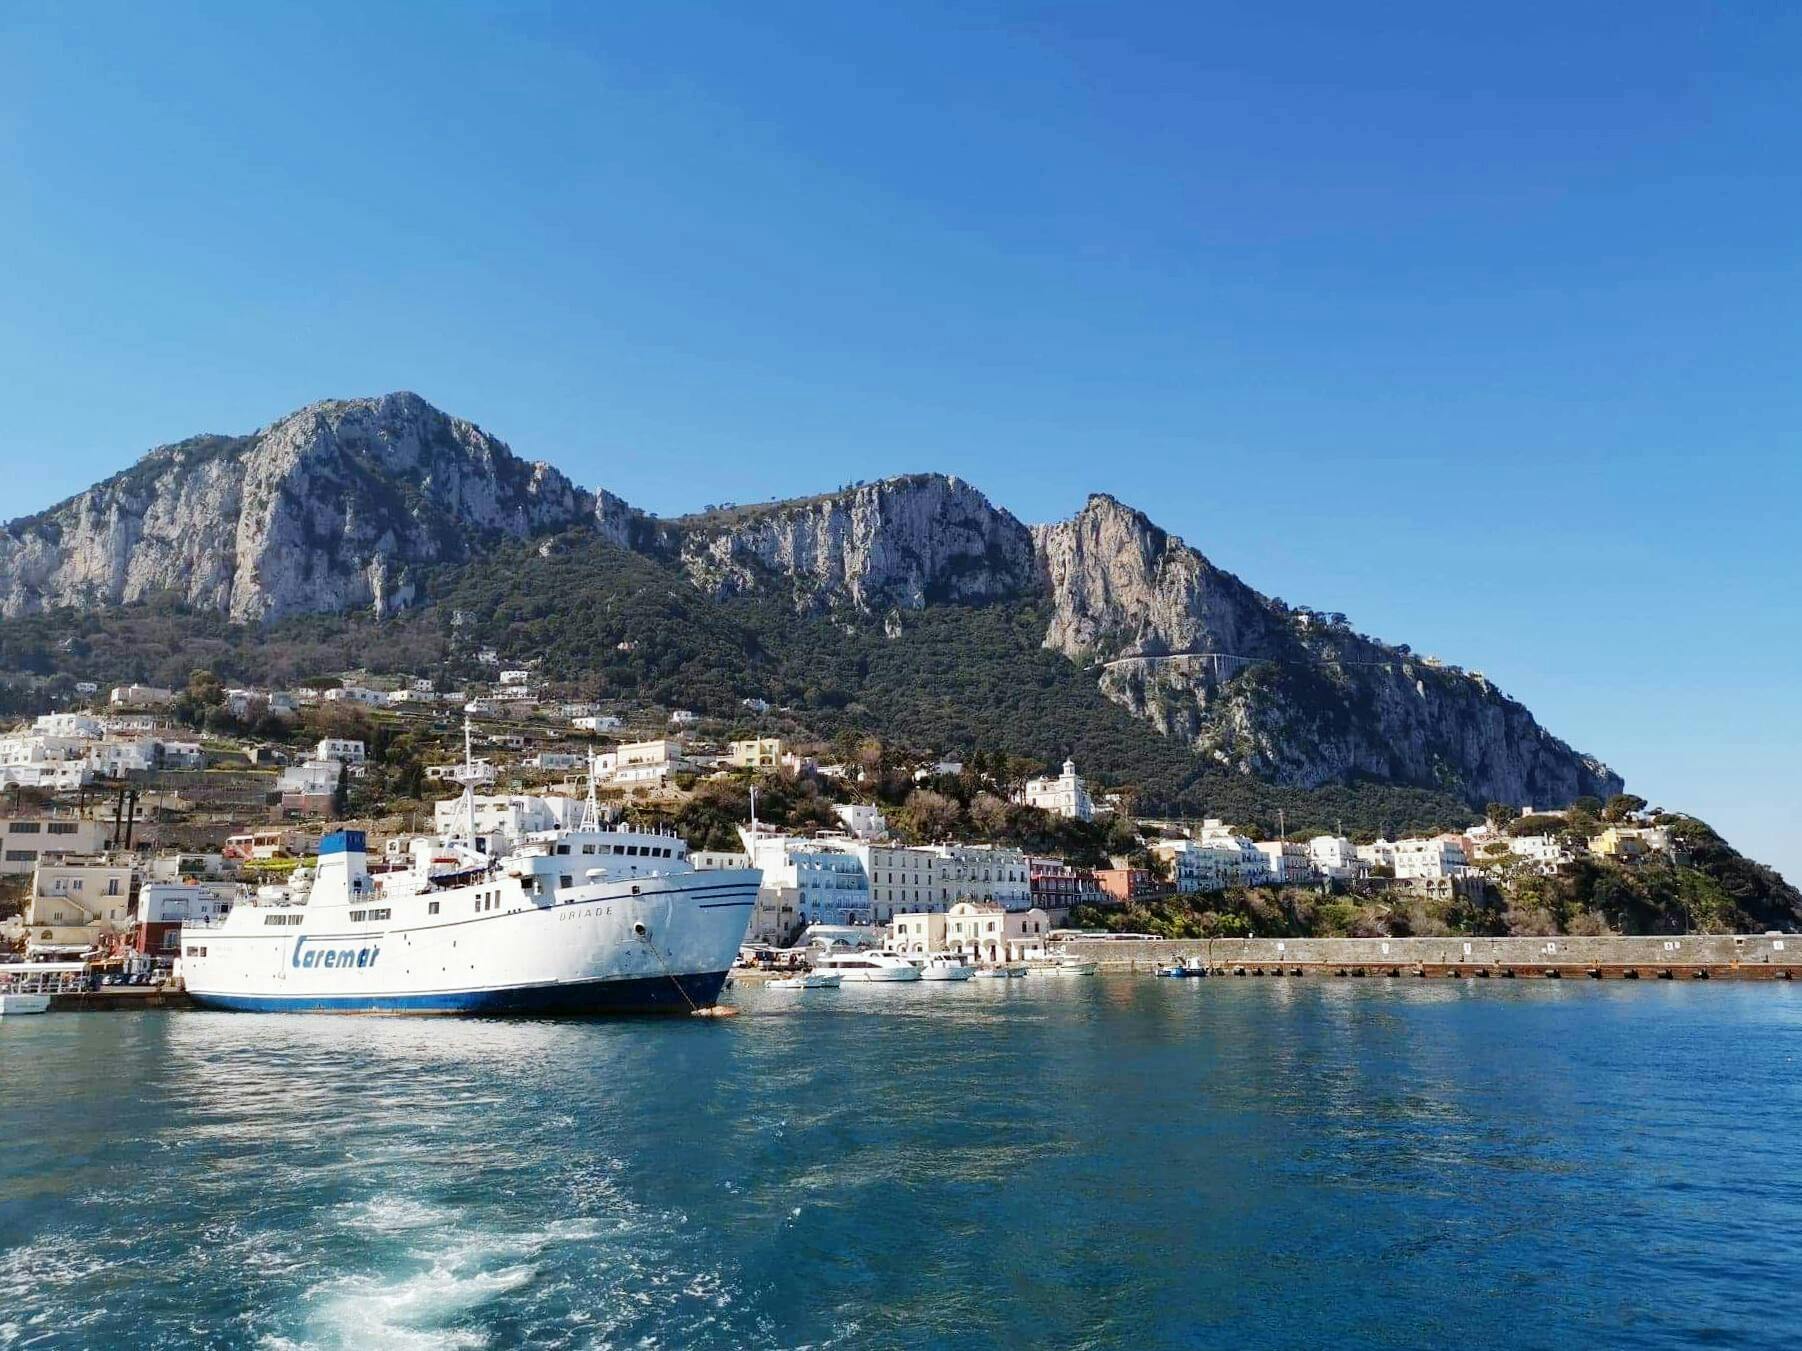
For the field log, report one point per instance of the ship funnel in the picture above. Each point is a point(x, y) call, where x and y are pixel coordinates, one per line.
point(343, 865)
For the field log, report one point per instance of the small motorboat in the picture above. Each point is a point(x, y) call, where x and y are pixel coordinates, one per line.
point(809, 980)
point(1188, 967)
point(1064, 966)
point(15, 1004)
point(1015, 972)
point(944, 966)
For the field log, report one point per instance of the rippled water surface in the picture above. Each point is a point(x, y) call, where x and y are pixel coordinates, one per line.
point(1115, 1161)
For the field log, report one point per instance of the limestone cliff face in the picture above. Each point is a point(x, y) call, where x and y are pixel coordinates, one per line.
point(1291, 696)
point(902, 542)
point(333, 507)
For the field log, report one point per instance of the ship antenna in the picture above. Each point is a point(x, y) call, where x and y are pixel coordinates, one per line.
point(591, 819)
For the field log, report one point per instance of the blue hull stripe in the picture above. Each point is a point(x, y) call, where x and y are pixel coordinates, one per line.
point(648, 994)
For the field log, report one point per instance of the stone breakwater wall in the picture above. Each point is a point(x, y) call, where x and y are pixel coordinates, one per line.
point(1704, 956)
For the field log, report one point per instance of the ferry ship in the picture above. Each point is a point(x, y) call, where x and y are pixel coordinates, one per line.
point(598, 918)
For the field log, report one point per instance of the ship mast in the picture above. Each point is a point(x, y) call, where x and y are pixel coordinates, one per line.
point(591, 816)
point(468, 777)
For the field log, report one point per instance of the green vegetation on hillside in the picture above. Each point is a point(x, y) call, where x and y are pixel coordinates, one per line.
point(1714, 889)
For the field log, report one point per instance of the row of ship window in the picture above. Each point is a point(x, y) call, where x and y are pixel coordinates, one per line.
point(369, 914)
point(634, 850)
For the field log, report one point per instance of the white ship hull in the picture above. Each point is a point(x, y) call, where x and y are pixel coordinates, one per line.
point(661, 943)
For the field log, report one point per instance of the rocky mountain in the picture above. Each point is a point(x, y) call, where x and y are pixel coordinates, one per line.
point(362, 504)
point(904, 542)
point(336, 506)
point(1290, 695)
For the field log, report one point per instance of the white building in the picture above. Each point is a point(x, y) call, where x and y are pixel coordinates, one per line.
point(1198, 867)
point(828, 878)
point(357, 694)
point(54, 775)
point(38, 748)
point(1286, 862)
point(596, 722)
point(310, 778)
point(181, 754)
point(1336, 858)
point(862, 819)
point(683, 717)
point(1547, 853)
point(140, 696)
point(986, 873)
point(110, 759)
point(900, 878)
point(556, 760)
point(1252, 868)
point(1061, 796)
point(647, 764)
point(516, 677)
point(69, 725)
point(341, 749)
point(1431, 860)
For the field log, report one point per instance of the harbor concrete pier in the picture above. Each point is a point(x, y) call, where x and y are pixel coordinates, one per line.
point(116, 998)
point(1675, 957)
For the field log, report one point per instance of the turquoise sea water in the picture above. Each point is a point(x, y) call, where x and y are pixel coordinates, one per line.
point(1114, 1161)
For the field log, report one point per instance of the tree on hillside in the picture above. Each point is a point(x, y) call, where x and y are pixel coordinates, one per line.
point(1623, 805)
point(928, 815)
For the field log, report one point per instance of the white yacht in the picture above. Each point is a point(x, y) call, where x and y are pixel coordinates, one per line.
point(944, 966)
point(599, 918)
point(867, 966)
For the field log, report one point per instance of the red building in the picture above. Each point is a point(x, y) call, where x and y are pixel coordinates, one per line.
point(1121, 885)
point(163, 907)
point(1056, 887)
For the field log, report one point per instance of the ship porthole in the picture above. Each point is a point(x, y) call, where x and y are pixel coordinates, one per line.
point(641, 931)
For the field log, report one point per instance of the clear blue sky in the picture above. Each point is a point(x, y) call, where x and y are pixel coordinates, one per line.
point(1479, 323)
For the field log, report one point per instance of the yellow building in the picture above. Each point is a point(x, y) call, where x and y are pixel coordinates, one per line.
point(986, 933)
point(76, 904)
point(1623, 846)
point(764, 752)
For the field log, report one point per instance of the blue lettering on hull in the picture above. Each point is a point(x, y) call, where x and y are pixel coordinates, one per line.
point(648, 994)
